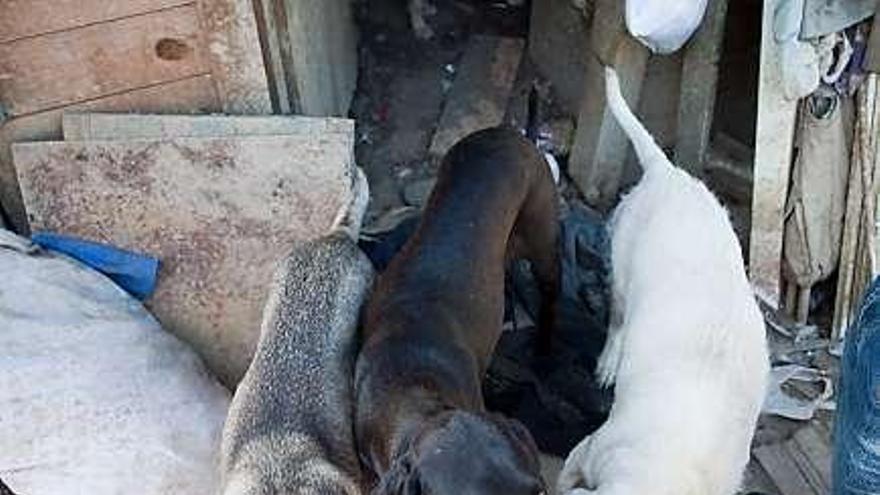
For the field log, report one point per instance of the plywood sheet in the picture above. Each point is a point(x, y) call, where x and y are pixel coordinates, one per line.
point(219, 212)
point(479, 94)
point(25, 18)
point(111, 127)
point(69, 67)
point(195, 94)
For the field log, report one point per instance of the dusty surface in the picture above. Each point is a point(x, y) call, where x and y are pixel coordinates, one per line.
point(190, 201)
point(405, 83)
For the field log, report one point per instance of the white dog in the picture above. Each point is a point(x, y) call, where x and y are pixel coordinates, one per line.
point(687, 348)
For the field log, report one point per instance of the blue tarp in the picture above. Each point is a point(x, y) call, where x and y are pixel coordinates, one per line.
point(136, 273)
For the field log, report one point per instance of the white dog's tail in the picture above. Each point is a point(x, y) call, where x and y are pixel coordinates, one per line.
point(649, 153)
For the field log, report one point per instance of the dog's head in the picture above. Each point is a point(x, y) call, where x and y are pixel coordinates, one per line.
point(464, 453)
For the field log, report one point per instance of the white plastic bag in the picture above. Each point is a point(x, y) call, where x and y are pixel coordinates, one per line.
point(95, 398)
point(664, 26)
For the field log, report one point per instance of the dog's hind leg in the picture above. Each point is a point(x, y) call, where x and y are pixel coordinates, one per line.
point(574, 470)
point(536, 237)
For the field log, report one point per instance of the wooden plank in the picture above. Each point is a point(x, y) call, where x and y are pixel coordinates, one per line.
point(479, 94)
point(234, 55)
point(559, 45)
point(756, 481)
point(773, 154)
point(26, 18)
point(269, 31)
point(783, 470)
point(814, 447)
point(600, 148)
point(318, 46)
point(114, 126)
point(188, 95)
point(69, 67)
point(699, 82)
point(863, 159)
point(219, 213)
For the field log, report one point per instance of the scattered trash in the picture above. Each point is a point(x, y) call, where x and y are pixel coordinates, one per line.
point(781, 403)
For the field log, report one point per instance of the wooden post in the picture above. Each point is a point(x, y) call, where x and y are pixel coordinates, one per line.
point(600, 148)
point(773, 153)
point(270, 32)
point(311, 54)
point(699, 80)
point(856, 265)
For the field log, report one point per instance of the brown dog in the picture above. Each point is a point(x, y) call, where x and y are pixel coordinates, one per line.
point(435, 316)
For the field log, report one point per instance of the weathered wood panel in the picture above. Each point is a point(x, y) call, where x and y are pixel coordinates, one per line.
point(234, 55)
point(69, 67)
point(115, 126)
point(783, 470)
point(26, 18)
point(189, 95)
point(559, 45)
point(699, 83)
point(219, 212)
point(773, 154)
point(479, 94)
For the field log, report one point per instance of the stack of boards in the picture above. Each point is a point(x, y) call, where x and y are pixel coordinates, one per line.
point(220, 200)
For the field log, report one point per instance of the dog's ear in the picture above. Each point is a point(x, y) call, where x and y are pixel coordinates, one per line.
point(401, 479)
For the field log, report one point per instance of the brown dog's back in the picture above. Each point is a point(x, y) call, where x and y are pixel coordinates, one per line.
point(435, 315)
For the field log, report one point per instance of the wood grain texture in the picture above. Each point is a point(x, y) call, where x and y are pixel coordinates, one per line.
point(699, 82)
point(478, 97)
point(773, 154)
point(783, 470)
point(69, 67)
point(857, 263)
point(189, 95)
point(25, 18)
point(601, 149)
point(219, 213)
point(234, 55)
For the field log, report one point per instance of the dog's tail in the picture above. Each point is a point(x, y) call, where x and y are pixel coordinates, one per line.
point(650, 155)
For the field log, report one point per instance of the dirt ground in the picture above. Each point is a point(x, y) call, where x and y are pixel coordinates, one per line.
point(403, 88)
